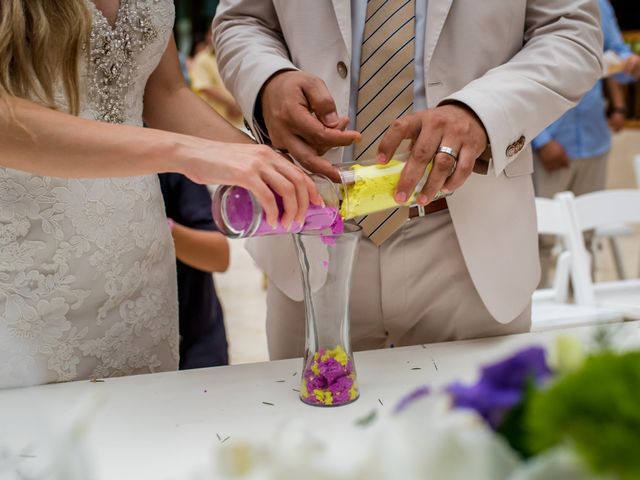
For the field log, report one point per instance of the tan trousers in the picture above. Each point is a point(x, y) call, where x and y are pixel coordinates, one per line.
point(414, 289)
point(583, 176)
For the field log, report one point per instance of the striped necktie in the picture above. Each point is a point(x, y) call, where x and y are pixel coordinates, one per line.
point(385, 91)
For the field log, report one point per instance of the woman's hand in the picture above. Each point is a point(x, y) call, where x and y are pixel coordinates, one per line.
point(260, 170)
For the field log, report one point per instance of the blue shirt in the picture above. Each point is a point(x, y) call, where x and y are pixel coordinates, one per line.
point(583, 131)
point(358, 17)
point(203, 340)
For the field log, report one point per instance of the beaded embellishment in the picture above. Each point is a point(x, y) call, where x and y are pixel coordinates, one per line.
point(112, 56)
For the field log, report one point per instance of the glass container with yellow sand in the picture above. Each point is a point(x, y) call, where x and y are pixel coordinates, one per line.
point(369, 187)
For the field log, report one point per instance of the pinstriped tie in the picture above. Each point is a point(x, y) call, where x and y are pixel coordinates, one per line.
point(385, 91)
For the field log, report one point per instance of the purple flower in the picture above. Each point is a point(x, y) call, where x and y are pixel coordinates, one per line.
point(412, 397)
point(502, 385)
point(515, 371)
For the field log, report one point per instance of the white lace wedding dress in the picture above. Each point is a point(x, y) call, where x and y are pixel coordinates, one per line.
point(87, 269)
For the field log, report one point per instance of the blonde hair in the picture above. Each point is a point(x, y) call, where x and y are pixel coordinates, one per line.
point(40, 46)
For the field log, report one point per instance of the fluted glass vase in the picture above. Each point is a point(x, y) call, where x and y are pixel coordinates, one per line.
point(329, 373)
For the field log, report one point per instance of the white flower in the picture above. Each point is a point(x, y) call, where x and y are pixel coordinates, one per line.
point(296, 452)
point(426, 442)
point(430, 441)
point(558, 464)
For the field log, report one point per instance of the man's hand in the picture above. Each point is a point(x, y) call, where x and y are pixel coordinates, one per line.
point(301, 118)
point(632, 66)
point(616, 121)
point(454, 126)
point(553, 157)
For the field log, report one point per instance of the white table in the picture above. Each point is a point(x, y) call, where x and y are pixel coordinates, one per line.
point(164, 425)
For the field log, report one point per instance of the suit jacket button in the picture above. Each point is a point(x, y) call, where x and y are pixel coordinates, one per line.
point(342, 69)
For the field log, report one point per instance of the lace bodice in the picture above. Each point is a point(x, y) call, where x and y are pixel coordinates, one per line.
point(87, 270)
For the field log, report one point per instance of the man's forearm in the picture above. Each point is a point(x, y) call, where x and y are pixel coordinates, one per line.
point(616, 93)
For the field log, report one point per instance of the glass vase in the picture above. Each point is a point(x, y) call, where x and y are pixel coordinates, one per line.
point(329, 373)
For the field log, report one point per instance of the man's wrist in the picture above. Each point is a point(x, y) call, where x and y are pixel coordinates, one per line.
point(259, 123)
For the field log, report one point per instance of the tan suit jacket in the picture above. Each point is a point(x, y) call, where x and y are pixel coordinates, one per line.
point(519, 64)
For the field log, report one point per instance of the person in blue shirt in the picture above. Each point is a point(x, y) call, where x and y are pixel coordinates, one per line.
point(200, 250)
point(571, 154)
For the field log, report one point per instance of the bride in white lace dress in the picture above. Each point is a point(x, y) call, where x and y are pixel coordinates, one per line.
point(87, 269)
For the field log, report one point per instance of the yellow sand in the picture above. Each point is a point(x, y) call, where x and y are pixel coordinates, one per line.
point(373, 189)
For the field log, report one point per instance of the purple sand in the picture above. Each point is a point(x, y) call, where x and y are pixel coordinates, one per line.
point(340, 389)
point(319, 383)
point(337, 228)
point(332, 370)
point(331, 378)
point(240, 214)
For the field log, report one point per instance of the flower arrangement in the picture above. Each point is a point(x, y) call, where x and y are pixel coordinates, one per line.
point(536, 415)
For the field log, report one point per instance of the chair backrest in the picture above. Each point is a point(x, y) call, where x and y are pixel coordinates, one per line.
point(607, 207)
point(580, 257)
point(587, 212)
point(553, 218)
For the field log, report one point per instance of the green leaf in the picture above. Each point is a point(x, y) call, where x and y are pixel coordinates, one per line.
point(367, 419)
point(596, 409)
point(513, 427)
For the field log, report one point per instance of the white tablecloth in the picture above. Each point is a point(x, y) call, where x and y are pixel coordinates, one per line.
point(165, 425)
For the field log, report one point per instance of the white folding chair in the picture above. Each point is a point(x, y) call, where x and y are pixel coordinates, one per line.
point(551, 307)
point(613, 231)
point(588, 212)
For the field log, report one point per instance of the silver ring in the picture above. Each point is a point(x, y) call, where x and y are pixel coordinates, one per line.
point(453, 154)
point(448, 151)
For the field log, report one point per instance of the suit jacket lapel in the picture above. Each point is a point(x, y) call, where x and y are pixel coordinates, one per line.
point(343, 15)
point(437, 11)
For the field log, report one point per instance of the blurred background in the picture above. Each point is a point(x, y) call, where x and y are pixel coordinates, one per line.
point(193, 19)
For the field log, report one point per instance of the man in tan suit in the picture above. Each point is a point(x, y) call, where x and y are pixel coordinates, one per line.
point(469, 84)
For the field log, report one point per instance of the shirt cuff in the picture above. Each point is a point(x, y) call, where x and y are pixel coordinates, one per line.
point(541, 140)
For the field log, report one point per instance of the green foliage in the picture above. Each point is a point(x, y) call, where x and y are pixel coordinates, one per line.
point(368, 419)
point(513, 427)
point(596, 409)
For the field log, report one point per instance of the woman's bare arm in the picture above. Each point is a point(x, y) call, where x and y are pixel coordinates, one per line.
point(47, 142)
point(170, 105)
